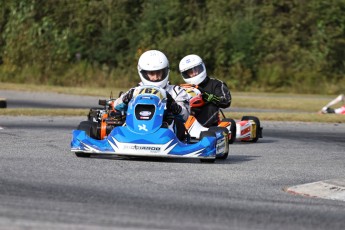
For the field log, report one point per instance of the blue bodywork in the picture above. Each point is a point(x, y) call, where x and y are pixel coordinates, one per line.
point(143, 134)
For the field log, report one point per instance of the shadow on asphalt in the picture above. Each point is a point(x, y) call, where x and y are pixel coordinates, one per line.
point(232, 159)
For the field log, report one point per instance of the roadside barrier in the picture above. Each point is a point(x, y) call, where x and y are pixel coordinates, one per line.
point(3, 103)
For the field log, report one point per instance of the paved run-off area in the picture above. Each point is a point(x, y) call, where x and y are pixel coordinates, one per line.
point(329, 189)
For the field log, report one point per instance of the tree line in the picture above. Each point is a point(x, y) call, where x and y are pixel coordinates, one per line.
point(252, 45)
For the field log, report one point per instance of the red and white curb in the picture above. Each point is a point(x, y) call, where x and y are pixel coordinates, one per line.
point(328, 189)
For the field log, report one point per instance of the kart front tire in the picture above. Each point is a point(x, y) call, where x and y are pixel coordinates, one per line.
point(222, 129)
point(258, 127)
point(93, 114)
point(207, 134)
point(89, 127)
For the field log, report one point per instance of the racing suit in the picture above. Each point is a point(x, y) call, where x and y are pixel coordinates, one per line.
point(208, 115)
point(181, 98)
point(341, 110)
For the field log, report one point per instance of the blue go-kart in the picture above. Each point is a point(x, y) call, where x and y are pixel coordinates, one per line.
point(143, 133)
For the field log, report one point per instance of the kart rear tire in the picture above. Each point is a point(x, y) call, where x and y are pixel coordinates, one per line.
point(232, 129)
point(222, 129)
point(258, 127)
point(84, 155)
point(207, 134)
point(89, 127)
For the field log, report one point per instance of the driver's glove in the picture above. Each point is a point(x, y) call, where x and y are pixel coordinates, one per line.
point(172, 106)
point(128, 96)
point(209, 97)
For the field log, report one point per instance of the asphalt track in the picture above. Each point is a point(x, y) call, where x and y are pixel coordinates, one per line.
point(260, 186)
point(24, 99)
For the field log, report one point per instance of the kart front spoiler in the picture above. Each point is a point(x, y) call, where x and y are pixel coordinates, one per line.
point(162, 143)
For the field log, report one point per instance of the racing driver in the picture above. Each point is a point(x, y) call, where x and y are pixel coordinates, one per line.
point(153, 69)
point(215, 93)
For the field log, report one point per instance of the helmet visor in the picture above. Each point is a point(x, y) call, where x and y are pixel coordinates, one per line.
point(192, 72)
point(155, 75)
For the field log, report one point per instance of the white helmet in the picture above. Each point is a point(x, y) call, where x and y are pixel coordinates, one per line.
point(192, 62)
point(153, 60)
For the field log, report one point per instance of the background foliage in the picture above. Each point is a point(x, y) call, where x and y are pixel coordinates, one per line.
point(252, 45)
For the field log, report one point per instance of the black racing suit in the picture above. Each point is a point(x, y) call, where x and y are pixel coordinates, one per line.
point(208, 115)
